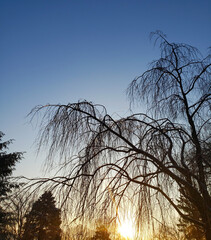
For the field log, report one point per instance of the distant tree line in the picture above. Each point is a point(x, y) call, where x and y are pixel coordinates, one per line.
point(22, 217)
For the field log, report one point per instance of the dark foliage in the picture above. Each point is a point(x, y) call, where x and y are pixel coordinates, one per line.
point(7, 165)
point(101, 233)
point(43, 221)
point(190, 230)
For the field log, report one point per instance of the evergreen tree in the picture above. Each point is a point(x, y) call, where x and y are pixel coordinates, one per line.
point(43, 221)
point(7, 163)
point(191, 231)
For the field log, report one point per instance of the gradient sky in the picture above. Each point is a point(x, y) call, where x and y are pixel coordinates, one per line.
point(60, 51)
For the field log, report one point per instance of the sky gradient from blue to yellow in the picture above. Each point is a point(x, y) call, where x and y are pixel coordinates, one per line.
point(62, 51)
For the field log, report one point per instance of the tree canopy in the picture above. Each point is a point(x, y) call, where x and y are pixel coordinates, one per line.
point(43, 221)
point(7, 165)
point(144, 157)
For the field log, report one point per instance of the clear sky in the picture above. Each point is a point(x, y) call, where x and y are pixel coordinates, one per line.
point(60, 51)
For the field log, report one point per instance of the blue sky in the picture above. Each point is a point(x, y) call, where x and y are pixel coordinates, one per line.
point(57, 51)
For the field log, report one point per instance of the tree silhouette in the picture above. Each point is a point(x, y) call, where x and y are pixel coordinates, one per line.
point(43, 221)
point(101, 233)
point(7, 164)
point(190, 230)
point(19, 205)
point(142, 156)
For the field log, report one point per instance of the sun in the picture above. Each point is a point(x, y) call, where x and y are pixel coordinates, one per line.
point(126, 229)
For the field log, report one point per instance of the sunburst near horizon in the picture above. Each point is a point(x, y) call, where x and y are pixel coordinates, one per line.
point(126, 226)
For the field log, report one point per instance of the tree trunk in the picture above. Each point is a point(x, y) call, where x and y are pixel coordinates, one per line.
point(208, 234)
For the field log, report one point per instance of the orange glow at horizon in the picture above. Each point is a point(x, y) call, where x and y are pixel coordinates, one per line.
point(125, 223)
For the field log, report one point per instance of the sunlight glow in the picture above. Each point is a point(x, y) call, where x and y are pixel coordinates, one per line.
point(125, 221)
point(126, 228)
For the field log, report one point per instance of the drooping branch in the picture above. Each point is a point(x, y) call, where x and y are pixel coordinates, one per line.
point(150, 158)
